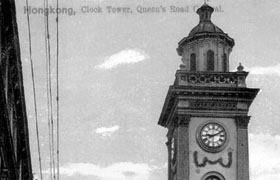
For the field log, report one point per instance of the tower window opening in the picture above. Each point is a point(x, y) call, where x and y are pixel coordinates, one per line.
point(193, 62)
point(213, 177)
point(225, 63)
point(210, 60)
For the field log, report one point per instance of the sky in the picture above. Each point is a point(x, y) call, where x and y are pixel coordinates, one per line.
point(114, 73)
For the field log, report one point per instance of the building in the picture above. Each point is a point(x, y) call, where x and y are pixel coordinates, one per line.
point(206, 109)
point(15, 161)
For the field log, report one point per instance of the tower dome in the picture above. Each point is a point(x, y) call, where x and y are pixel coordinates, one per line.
point(207, 47)
point(205, 23)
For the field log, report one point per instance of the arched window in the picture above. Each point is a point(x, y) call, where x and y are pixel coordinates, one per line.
point(225, 62)
point(193, 62)
point(213, 177)
point(210, 60)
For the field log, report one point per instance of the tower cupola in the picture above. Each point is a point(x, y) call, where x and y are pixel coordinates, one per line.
point(207, 47)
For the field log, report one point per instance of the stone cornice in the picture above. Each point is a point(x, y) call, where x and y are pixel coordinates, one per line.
point(214, 92)
point(226, 99)
point(187, 40)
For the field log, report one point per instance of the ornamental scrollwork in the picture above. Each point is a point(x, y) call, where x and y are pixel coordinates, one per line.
point(212, 78)
point(218, 161)
point(212, 105)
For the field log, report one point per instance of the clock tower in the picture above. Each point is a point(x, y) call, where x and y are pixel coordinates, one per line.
point(206, 109)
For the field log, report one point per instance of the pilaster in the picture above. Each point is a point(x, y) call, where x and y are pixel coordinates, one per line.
point(170, 138)
point(242, 147)
point(183, 147)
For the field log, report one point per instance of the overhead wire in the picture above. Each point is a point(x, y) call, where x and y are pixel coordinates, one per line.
point(50, 91)
point(54, 162)
point(48, 95)
point(34, 90)
point(57, 88)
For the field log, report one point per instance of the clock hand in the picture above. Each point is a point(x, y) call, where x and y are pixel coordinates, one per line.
point(213, 135)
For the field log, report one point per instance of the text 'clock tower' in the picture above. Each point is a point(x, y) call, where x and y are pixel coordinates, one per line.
point(206, 109)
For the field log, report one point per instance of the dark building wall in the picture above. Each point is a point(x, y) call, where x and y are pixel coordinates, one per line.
point(15, 160)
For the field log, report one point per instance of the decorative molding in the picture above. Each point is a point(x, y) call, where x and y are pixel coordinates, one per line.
point(213, 105)
point(172, 150)
point(170, 132)
point(206, 160)
point(211, 79)
point(242, 121)
point(173, 167)
point(220, 92)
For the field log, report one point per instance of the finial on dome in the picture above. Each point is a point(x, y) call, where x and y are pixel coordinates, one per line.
point(240, 67)
point(205, 12)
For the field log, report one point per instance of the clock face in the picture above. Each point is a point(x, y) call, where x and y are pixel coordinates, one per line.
point(212, 137)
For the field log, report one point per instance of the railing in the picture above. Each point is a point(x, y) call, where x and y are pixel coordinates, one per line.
point(217, 79)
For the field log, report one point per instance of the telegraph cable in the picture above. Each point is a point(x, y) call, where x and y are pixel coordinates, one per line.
point(34, 90)
point(57, 88)
point(48, 95)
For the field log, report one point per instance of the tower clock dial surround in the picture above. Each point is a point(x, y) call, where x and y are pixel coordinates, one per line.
point(212, 136)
